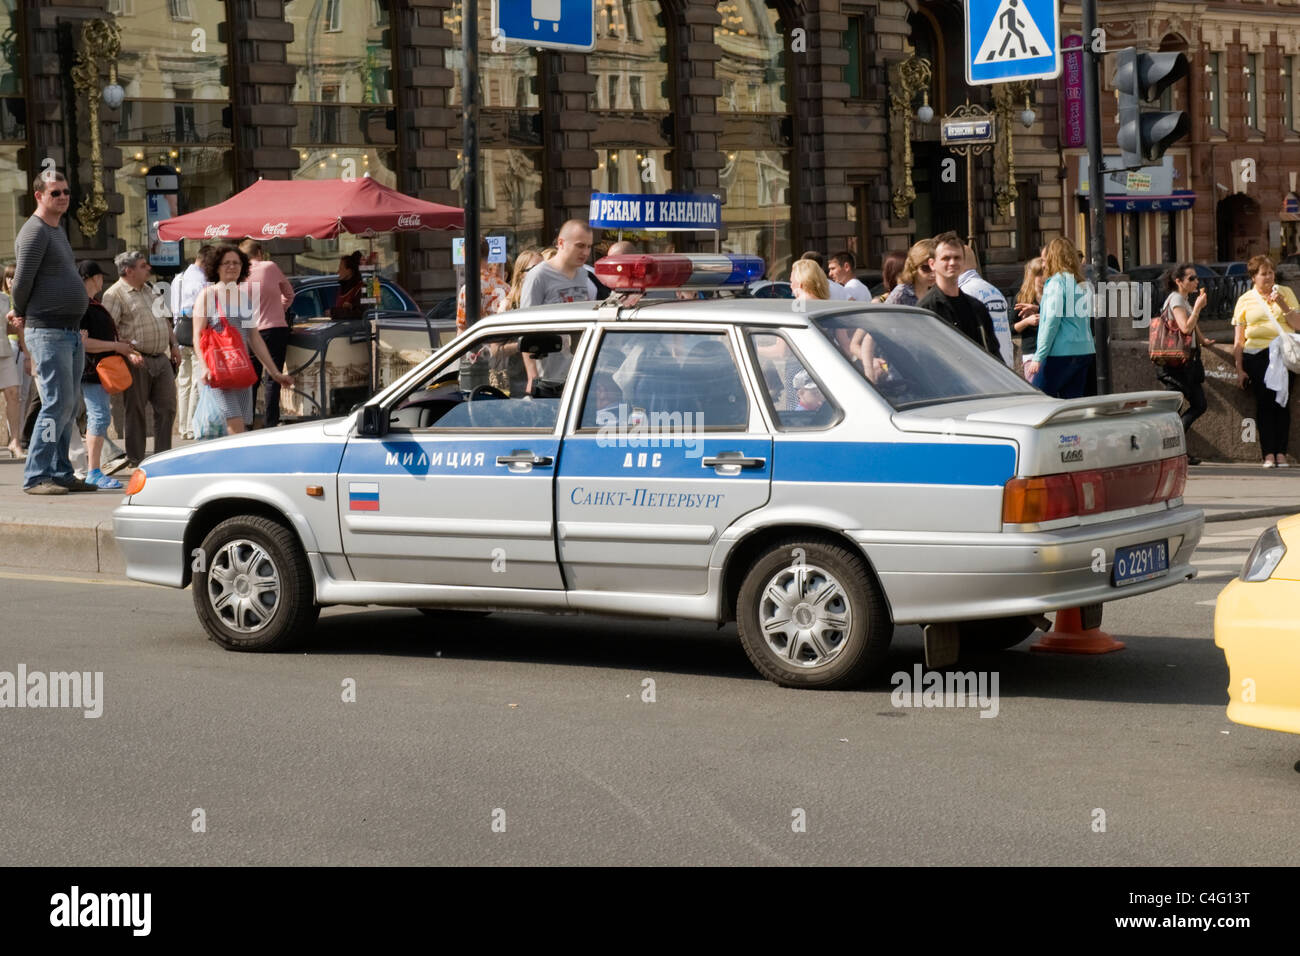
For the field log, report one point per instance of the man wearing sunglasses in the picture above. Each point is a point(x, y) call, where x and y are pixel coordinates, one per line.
point(50, 299)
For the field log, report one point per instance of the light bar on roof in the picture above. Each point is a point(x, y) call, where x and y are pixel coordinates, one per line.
point(639, 273)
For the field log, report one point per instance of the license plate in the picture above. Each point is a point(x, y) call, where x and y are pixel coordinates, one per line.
point(1142, 562)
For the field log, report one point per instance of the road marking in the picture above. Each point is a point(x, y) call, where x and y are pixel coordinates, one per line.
point(58, 579)
point(1207, 603)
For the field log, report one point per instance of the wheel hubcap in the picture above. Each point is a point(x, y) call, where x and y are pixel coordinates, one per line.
point(805, 616)
point(243, 586)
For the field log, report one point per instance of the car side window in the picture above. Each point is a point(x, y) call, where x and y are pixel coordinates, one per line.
point(484, 386)
point(389, 300)
point(306, 305)
point(796, 398)
point(656, 379)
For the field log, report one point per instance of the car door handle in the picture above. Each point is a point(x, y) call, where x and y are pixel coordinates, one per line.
point(526, 458)
point(733, 459)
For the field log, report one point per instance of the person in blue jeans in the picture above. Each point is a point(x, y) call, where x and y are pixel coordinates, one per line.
point(49, 300)
point(1066, 357)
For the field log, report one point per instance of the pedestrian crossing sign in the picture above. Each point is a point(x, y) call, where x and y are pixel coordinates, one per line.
point(1010, 40)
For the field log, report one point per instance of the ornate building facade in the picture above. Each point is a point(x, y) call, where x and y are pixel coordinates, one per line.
point(801, 114)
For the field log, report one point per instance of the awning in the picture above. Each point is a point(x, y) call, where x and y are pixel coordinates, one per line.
point(1140, 203)
point(311, 209)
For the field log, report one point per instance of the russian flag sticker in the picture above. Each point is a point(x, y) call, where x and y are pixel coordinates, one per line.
point(363, 496)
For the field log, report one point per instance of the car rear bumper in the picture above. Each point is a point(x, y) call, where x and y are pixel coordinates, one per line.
point(962, 577)
point(1255, 624)
point(152, 540)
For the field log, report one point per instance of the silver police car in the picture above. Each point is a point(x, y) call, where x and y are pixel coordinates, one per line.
point(818, 472)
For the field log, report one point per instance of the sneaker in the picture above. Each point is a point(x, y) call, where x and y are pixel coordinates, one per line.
point(1270, 464)
point(45, 488)
point(1283, 463)
point(101, 480)
point(1193, 461)
point(76, 484)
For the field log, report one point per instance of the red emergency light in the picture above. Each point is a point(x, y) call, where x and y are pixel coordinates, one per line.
point(639, 273)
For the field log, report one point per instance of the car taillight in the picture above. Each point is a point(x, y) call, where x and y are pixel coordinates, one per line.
point(1173, 478)
point(1035, 500)
point(136, 483)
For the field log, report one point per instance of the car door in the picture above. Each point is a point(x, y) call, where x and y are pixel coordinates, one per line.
point(460, 490)
point(666, 451)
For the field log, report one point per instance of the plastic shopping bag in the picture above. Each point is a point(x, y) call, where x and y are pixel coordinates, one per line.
point(208, 421)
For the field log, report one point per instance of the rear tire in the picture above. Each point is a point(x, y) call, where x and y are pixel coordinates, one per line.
point(810, 614)
point(255, 590)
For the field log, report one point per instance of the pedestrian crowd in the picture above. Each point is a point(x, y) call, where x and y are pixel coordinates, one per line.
point(72, 346)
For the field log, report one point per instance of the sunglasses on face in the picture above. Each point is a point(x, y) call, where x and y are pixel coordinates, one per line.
point(56, 193)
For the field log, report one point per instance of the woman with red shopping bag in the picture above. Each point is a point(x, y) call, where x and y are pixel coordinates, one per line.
point(224, 331)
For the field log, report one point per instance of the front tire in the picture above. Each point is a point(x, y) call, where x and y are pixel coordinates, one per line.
point(810, 614)
point(255, 590)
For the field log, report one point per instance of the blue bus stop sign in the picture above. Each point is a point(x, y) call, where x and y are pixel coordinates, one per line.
point(1012, 40)
point(555, 24)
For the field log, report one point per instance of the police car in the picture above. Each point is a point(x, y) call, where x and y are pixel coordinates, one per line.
point(818, 472)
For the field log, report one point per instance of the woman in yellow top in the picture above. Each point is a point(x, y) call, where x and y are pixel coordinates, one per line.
point(1259, 313)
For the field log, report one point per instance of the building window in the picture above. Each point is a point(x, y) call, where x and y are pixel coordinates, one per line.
point(173, 112)
point(756, 132)
point(1251, 69)
point(1288, 92)
point(611, 94)
point(852, 43)
point(333, 16)
point(1214, 71)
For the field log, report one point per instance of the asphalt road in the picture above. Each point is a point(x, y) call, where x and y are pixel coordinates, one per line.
point(543, 719)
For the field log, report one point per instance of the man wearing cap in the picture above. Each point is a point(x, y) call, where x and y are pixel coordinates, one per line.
point(48, 303)
point(142, 319)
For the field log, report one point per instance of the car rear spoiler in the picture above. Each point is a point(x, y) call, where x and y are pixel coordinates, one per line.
point(1039, 414)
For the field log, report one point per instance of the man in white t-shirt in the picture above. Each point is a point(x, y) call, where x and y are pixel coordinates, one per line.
point(838, 292)
point(842, 271)
point(996, 303)
point(561, 279)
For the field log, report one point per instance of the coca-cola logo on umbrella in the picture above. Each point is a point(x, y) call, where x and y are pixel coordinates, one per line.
point(409, 219)
point(275, 229)
point(216, 232)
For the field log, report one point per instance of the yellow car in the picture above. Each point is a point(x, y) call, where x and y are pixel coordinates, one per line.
point(1257, 623)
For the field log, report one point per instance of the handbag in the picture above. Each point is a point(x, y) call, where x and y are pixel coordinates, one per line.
point(184, 327)
point(225, 356)
point(1290, 344)
point(113, 374)
point(1167, 344)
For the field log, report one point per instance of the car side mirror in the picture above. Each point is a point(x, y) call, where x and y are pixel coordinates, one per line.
point(374, 421)
point(540, 344)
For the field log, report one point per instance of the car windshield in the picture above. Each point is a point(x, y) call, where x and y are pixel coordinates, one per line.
point(914, 360)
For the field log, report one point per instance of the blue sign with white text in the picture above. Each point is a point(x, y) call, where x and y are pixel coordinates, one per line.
point(1012, 40)
point(555, 24)
point(667, 212)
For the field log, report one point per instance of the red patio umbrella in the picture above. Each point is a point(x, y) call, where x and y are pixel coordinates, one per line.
point(312, 209)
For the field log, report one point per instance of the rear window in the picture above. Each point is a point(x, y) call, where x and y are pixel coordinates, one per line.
point(914, 360)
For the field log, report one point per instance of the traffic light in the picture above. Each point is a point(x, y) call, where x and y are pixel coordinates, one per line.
point(1141, 78)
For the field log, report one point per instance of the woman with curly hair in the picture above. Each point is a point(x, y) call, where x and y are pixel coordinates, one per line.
point(916, 278)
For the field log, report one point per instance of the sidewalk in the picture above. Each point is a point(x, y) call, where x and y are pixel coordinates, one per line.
point(75, 532)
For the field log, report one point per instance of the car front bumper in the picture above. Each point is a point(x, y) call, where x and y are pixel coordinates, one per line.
point(152, 540)
point(959, 577)
point(1255, 623)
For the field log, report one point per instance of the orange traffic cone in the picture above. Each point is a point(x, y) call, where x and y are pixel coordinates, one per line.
point(1068, 636)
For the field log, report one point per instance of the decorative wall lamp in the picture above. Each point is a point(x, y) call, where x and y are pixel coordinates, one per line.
point(1006, 97)
point(907, 78)
point(101, 42)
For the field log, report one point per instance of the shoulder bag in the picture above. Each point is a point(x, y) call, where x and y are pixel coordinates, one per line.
point(226, 356)
point(113, 374)
point(1290, 344)
point(1167, 344)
